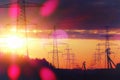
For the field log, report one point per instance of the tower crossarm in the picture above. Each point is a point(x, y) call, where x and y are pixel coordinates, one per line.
point(27, 4)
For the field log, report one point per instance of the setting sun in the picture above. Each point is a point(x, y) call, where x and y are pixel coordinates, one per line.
point(14, 42)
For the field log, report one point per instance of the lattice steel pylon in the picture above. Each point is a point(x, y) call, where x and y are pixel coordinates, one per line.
point(55, 47)
point(55, 57)
point(97, 56)
point(22, 22)
point(110, 62)
point(21, 15)
point(21, 19)
point(69, 57)
point(73, 60)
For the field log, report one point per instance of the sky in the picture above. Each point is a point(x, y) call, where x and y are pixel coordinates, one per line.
point(81, 22)
point(87, 15)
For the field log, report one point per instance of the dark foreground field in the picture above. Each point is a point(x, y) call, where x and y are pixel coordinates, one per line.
point(98, 74)
point(23, 68)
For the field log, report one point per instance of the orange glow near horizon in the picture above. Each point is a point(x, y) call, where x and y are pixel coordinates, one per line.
point(10, 43)
point(14, 42)
point(83, 49)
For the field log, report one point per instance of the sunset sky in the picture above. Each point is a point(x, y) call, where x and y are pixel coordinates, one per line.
point(80, 23)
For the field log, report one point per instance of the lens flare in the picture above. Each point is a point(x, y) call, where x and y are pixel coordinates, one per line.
point(49, 7)
point(14, 10)
point(13, 72)
point(60, 34)
point(47, 74)
point(14, 42)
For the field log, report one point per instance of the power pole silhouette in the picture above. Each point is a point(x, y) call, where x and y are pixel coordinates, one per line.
point(110, 62)
point(21, 15)
point(22, 19)
point(98, 55)
point(55, 51)
point(69, 57)
point(73, 60)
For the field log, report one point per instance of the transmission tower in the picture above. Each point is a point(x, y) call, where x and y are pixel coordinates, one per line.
point(55, 51)
point(97, 55)
point(21, 19)
point(73, 60)
point(108, 61)
point(21, 16)
point(69, 57)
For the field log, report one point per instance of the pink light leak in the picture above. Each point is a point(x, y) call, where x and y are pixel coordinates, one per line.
point(47, 74)
point(60, 34)
point(14, 10)
point(49, 7)
point(13, 72)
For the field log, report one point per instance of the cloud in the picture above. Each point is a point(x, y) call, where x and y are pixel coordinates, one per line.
point(78, 34)
point(93, 34)
point(82, 14)
point(81, 18)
